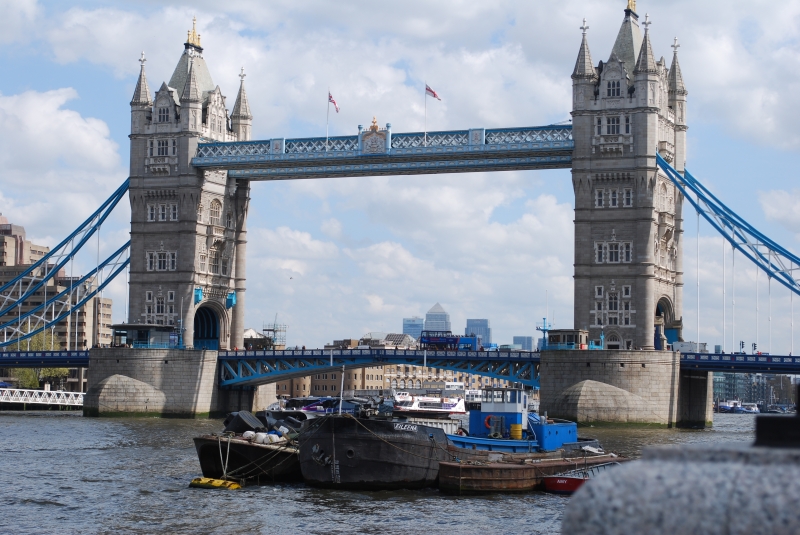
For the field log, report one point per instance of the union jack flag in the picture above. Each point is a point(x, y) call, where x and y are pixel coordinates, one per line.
point(431, 92)
point(332, 101)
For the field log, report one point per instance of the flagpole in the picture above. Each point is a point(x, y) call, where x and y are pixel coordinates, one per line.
point(425, 135)
point(327, 117)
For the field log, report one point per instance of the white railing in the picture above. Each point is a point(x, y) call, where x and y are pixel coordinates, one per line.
point(41, 397)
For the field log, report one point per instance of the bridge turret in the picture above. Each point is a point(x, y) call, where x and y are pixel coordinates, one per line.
point(191, 103)
point(141, 103)
point(677, 101)
point(241, 119)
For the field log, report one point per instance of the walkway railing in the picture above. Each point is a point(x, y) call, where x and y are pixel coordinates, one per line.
point(41, 397)
point(737, 362)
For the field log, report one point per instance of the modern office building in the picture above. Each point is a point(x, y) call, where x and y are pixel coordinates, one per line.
point(481, 328)
point(525, 342)
point(437, 319)
point(413, 326)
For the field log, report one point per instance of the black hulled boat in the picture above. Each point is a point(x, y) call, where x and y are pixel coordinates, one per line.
point(370, 453)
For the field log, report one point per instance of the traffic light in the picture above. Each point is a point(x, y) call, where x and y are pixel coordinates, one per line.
point(741, 346)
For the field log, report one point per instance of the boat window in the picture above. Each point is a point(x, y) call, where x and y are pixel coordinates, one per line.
point(498, 396)
point(508, 396)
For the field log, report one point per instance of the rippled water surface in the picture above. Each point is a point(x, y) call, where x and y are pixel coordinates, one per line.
point(62, 473)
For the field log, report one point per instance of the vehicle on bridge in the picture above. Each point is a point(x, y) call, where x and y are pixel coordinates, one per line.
point(446, 340)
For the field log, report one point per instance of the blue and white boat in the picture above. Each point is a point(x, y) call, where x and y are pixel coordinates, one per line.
point(500, 422)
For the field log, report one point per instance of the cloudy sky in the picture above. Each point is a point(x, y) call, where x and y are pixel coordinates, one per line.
point(341, 257)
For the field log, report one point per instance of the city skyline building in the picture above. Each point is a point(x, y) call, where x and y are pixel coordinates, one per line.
point(437, 319)
point(413, 326)
point(525, 342)
point(481, 328)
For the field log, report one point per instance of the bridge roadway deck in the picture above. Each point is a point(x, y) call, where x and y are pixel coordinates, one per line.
point(44, 359)
point(413, 153)
point(741, 363)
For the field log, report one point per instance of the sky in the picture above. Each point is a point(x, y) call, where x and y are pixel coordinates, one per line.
point(337, 258)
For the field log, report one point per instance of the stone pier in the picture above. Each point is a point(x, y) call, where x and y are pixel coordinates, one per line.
point(164, 382)
point(623, 387)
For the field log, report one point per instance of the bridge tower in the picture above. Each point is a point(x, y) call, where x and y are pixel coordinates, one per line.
point(188, 226)
point(628, 215)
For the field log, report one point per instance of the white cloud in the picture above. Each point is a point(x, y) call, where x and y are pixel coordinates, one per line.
point(332, 228)
point(782, 206)
point(17, 20)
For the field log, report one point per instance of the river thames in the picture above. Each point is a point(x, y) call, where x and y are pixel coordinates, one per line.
point(62, 473)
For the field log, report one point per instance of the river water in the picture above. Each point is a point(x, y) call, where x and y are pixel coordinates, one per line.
point(62, 473)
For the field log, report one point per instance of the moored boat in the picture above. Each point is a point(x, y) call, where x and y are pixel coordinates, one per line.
point(247, 452)
point(570, 481)
point(352, 452)
point(427, 406)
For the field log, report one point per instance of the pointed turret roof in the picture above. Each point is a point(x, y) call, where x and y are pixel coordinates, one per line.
point(241, 109)
point(141, 95)
point(583, 66)
point(191, 90)
point(675, 78)
point(629, 40)
point(192, 56)
point(646, 62)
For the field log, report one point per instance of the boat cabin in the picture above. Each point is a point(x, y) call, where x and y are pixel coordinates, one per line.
point(499, 408)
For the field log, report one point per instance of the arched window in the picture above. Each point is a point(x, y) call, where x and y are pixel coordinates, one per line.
point(394, 383)
point(160, 305)
point(662, 198)
point(214, 212)
point(402, 383)
point(229, 220)
point(418, 384)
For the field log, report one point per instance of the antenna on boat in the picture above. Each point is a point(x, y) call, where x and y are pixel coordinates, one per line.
point(341, 392)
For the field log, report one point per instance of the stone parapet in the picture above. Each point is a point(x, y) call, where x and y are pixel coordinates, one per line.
point(717, 490)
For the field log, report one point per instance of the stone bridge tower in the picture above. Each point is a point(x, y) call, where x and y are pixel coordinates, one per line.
point(628, 215)
point(188, 227)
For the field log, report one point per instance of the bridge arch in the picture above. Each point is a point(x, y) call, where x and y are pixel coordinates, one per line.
point(664, 322)
point(210, 326)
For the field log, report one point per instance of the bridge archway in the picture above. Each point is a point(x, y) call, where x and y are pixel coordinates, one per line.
point(206, 328)
point(664, 324)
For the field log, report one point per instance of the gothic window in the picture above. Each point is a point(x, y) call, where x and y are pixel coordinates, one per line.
point(151, 212)
point(229, 220)
point(598, 291)
point(628, 322)
point(599, 128)
point(598, 253)
point(163, 147)
point(148, 296)
point(626, 252)
point(598, 198)
point(613, 252)
point(163, 115)
point(148, 309)
point(202, 262)
point(627, 306)
point(173, 261)
point(173, 212)
point(662, 198)
point(171, 295)
point(214, 261)
point(613, 198)
point(214, 212)
point(160, 305)
point(224, 266)
point(213, 123)
point(626, 291)
point(627, 198)
point(612, 88)
point(599, 305)
point(627, 124)
point(162, 212)
point(150, 148)
point(162, 261)
point(612, 125)
point(199, 212)
point(151, 261)
point(613, 302)
point(174, 147)
point(613, 320)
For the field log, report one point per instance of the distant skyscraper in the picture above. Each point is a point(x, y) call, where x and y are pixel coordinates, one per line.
point(437, 319)
point(481, 328)
point(525, 341)
point(413, 326)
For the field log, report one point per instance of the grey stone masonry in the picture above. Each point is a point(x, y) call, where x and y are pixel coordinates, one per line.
point(713, 490)
point(628, 215)
point(187, 226)
point(163, 382)
point(611, 386)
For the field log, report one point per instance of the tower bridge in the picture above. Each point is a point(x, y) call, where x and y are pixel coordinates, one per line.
point(192, 161)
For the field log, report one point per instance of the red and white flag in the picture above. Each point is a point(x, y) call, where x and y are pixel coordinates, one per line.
point(332, 101)
point(431, 92)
